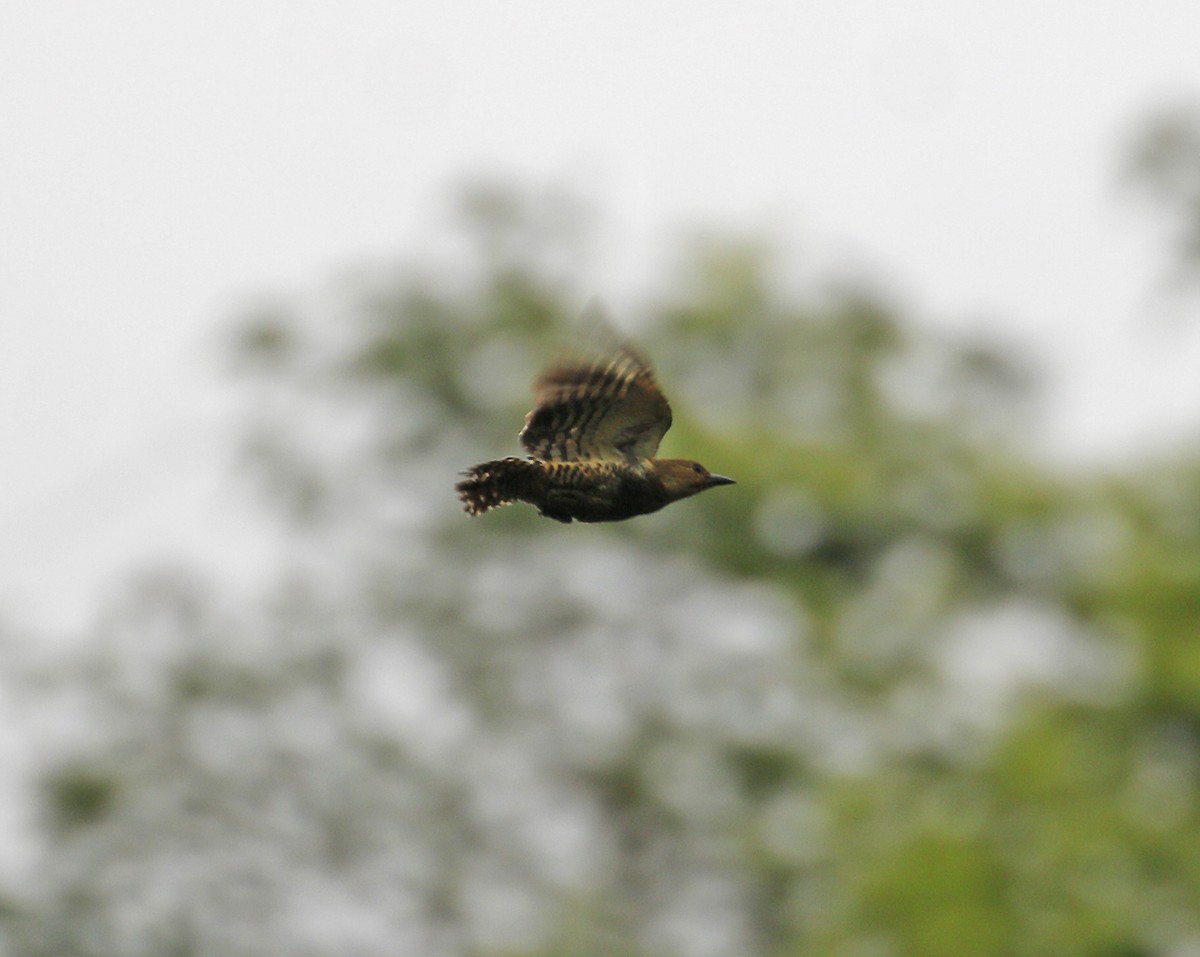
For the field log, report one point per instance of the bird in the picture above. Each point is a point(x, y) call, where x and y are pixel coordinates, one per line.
point(591, 436)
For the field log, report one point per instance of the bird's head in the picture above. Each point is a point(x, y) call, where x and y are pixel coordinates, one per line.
point(682, 477)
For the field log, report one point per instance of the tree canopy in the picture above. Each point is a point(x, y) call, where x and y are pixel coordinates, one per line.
point(905, 691)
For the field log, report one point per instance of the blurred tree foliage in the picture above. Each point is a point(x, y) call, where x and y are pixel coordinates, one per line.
point(902, 691)
point(1164, 167)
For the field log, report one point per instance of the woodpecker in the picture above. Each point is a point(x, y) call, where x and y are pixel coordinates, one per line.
point(591, 437)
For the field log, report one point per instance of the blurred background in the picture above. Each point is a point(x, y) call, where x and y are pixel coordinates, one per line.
point(922, 278)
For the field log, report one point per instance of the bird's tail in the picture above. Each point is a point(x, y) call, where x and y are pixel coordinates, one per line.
point(497, 483)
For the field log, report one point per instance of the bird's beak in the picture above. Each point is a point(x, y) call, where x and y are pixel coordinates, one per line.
point(714, 480)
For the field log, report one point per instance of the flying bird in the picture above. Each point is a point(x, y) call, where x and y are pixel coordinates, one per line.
point(592, 435)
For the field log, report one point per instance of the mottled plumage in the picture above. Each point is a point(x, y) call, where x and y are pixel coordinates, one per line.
point(591, 437)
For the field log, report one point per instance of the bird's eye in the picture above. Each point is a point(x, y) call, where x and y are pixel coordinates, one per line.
point(697, 468)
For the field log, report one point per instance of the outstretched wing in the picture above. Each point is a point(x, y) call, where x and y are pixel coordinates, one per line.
point(602, 410)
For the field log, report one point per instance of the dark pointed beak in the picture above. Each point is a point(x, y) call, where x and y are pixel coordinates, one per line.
point(714, 480)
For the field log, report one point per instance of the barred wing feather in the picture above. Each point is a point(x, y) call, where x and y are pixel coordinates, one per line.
point(604, 410)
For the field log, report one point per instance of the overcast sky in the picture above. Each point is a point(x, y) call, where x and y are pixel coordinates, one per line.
point(163, 163)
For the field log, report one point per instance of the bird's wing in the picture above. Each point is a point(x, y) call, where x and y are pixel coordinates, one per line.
point(603, 410)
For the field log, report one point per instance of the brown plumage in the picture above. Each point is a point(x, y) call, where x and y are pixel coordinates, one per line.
point(591, 438)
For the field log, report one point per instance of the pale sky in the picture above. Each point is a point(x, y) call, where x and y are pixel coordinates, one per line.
point(164, 163)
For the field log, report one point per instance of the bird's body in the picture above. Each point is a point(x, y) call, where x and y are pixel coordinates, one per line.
point(591, 435)
point(586, 491)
